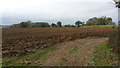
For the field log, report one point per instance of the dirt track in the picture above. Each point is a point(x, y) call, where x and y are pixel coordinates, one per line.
point(74, 53)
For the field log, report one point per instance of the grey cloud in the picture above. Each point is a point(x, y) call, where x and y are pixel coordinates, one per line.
point(67, 12)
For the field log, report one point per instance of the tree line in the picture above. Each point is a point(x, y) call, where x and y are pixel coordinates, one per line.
point(92, 21)
point(100, 21)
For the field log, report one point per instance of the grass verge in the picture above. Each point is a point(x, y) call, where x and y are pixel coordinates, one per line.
point(103, 56)
point(33, 59)
point(111, 26)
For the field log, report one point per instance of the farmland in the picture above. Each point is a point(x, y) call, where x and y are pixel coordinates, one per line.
point(23, 41)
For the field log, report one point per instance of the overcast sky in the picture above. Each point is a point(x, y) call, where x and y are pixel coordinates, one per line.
point(51, 11)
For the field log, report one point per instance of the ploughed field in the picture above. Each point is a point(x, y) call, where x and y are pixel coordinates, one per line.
point(20, 41)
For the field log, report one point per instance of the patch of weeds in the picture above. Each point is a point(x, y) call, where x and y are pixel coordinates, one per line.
point(66, 56)
point(29, 59)
point(103, 56)
point(75, 48)
point(72, 50)
point(77, 57)
point(82, 43)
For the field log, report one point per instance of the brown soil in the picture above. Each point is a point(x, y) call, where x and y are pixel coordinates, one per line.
point(22, 41)
point(82, 56)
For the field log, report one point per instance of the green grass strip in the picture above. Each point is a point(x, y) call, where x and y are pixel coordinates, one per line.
point(28, 59)
point(103, 56)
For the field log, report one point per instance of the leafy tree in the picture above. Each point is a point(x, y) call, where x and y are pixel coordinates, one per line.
point(15, 26)
point(78, 23)
point(30, 24)
point(24, 24)
point(99, 21)
point(45, 25)
point(59, 24)
point(109, 21)
point(69, 25)
point(40, 24)
point(104, 21)
point(53, 25)
point(29, 21)
point(91, 21)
